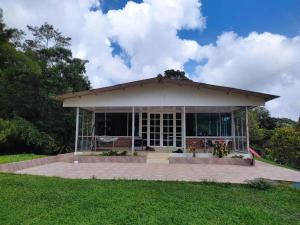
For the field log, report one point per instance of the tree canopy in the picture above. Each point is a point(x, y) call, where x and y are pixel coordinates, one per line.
point(32, 71)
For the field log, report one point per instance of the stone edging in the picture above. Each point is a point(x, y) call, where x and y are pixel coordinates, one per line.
point(218, 161)
point(69, 158)
point(110, 159)
point(14, 166)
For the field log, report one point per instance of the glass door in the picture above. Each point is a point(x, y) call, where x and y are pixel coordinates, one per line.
point(168, 129)
point(154, 129)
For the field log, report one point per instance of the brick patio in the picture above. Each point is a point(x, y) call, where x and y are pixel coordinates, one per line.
point(180, 172)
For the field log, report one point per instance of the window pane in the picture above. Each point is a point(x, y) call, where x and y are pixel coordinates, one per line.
point(203, 120)
point(116, 124)
point(136, 124)
point(99, 123)
point(190, 124)
point(225, 124)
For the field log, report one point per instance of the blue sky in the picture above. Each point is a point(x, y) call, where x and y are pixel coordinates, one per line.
point(248, 44)
point(240, 16)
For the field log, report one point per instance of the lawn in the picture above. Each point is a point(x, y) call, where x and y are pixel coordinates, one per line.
point(274, 163)
point(18, 157)
point(27, 199)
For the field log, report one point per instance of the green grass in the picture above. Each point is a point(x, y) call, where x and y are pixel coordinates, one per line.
point(274, 163)
point(27, 199)
point(18, 157)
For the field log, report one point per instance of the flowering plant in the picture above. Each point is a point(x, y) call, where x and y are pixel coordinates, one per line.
point(220, 149)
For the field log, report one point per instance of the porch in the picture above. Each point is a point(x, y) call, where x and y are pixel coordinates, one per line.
point(162, 129)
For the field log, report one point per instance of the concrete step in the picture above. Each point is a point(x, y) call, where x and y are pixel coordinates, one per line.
point(158, 158)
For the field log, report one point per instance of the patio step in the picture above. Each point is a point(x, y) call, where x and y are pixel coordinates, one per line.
point(162, 158)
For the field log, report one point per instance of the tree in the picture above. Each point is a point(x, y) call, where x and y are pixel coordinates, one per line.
point(175, 74)
point(46, 36)
point(31, 73)
point(285, 146)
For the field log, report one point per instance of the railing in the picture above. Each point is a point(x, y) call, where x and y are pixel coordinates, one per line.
point(206, 144)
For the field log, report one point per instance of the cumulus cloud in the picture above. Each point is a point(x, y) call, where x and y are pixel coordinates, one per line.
point(147, 35)
point(261, 62)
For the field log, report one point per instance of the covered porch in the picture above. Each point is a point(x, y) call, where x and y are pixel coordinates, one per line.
point(162, 129)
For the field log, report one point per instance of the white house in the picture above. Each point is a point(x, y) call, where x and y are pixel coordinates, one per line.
point(164, 114)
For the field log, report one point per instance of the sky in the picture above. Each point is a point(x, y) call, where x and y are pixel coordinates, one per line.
point(248, 44)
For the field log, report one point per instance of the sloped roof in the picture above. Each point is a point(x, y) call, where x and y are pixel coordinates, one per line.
point(266, 97)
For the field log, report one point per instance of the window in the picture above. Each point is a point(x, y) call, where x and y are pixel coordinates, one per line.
point(190, 124)
point(208, 124)
point(115, 124)
point(99, 124)
point(136, 124)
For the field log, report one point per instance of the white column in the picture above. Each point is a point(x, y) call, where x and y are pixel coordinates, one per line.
point(183, 130)
point(93, 124)
point(77, 127)
point(247, 129)
point(233, 131)
point(132, 132)
point(93, 139)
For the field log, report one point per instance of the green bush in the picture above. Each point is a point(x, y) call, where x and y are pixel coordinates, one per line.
point(110, 153)
point(19, 133)
point(260, 184)
point(220, 150)
point(285, 146)
point(6, 129)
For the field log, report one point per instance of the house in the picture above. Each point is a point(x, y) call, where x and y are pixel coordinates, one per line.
point(164, 114)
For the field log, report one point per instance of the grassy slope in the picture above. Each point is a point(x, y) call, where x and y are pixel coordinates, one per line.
point(42, 200)
point(18, 157)
point(274, 163)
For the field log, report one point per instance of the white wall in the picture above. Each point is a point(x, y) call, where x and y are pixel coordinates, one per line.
point(163, 94)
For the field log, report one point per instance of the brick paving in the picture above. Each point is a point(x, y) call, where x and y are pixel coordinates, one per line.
point(165, 172)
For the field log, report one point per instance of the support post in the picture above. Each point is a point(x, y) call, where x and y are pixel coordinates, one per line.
point(77, 127)
point(132, 132)
point(183, 130)
point(247, 129)
point(233, 131)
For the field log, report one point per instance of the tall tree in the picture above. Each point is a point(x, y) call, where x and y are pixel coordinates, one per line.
point(31, 73)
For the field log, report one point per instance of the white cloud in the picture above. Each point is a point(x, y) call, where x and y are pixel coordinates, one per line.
point(261, 62)
point(147, 33)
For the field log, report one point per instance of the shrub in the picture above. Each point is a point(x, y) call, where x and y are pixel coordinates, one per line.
point(19, 133)
point(110, 153)
point(285, 146)
point(260, 184)
point(220, 149)
point(6, 129)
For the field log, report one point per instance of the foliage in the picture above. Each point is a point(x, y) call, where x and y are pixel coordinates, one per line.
point(275, 139)
point(221, 149)
point(114, 153)
point(31, 136)
point(31, 73)
point(25, 133)
point(260, 184)
point(5, 130)
point(109, 153)
point(72, 201)
point(285, 144)
point(18, 157)
point(175, 74)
